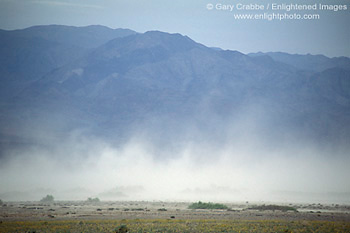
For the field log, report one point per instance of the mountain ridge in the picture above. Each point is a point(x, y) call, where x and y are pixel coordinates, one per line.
point(28, 54)
point(171, 86)
point(315, 63)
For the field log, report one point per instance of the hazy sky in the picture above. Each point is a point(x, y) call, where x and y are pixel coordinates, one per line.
point(329, 35)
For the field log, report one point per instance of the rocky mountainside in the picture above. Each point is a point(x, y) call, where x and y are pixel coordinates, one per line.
point(114, 83)
point(26, 55)
point(315, 63)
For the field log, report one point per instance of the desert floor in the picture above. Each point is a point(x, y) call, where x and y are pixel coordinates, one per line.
point(74, 216)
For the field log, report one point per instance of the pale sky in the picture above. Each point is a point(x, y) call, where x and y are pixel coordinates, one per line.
point(329, 35)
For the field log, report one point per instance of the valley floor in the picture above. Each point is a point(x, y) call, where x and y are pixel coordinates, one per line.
point(168, 217)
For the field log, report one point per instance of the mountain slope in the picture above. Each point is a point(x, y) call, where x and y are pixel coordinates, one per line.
point(171, 88)
point(26, 55)
point(85, 37)
point(314, 63)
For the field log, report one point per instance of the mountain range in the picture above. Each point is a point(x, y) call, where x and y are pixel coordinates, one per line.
point(114, 83)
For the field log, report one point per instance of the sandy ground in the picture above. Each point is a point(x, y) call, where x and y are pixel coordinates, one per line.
point(65, 210)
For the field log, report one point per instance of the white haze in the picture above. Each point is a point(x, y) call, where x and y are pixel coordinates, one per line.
point(242, 169)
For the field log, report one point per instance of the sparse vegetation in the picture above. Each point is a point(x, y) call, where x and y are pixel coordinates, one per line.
point(207, 205)
point(273, 208)
point(175, 225)
point(48, 198)
point(122, 229)
point(93, 200)
point(138, 209)
point(1, 203)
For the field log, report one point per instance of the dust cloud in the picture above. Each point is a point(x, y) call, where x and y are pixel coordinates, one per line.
point(79, 166)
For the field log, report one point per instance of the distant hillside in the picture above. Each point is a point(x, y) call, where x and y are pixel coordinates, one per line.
point(26, 55)
point(315, 63)
point(86, 37)
point(166, 86)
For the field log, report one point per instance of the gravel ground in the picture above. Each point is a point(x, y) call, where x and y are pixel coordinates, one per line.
point(18, 211)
